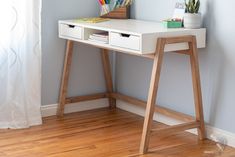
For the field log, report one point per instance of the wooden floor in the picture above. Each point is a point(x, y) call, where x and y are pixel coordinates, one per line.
point(99, 133)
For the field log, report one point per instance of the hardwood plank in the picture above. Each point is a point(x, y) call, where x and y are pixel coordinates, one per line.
point(101, 133)
point(65, 78)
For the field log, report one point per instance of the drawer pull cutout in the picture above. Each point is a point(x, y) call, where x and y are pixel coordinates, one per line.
point(71, 26)
point(125, 35)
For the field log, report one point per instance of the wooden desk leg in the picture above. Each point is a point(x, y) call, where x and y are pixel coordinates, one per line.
point(152, 96)
point(197, 87)
point(108, 76)
point(65, 78)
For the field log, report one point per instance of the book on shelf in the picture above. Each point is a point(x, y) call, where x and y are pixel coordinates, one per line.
point(98, 41)
point(101, 37)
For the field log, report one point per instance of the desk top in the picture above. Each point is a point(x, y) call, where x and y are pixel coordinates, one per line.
point(129, 26)
point(134, 36)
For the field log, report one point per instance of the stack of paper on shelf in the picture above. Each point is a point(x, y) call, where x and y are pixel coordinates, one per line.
point(102, 37)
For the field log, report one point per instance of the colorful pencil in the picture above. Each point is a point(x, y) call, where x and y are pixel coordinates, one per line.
point(121, 3)
point(100, 2)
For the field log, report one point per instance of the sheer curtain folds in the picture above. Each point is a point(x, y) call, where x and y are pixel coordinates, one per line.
point(20, 63)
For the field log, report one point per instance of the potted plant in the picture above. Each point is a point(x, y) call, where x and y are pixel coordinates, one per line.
point(192, 17)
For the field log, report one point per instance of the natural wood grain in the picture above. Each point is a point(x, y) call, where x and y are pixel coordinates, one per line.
point(86, 98)
point(99, 133)
point(153, 89)
point(197, 87)
point(155, 78)
point(176, 128)
point(179, 39)
point(158, 109)
point(108, 76)
point(184, 52)
point(65, 78)
point(119, 13)
point(191, 40)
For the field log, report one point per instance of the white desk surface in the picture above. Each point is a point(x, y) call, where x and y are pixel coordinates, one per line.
point(146, 31)
point(128, 26)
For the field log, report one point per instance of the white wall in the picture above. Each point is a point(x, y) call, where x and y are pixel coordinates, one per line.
point(217, 64)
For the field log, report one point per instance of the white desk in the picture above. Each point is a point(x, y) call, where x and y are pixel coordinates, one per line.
point(128, 35)
point(145, 39)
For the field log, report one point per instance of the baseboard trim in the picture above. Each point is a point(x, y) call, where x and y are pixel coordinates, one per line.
point(218, 133)
point(50, 110)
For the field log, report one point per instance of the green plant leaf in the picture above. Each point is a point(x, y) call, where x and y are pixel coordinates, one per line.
point(193, 1)
point(197, 6)
point(192, 6)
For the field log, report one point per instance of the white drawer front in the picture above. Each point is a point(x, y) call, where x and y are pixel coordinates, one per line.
point(125, 41)
point(71, 31)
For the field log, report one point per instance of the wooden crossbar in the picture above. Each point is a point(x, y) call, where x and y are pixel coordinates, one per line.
point(86, 98)
point(181, 39)
point(140, 103)
point(183, 52)
point(158, 109)
point(177, 128)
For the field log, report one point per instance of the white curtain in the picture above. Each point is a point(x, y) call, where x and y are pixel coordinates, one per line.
point(20, 63)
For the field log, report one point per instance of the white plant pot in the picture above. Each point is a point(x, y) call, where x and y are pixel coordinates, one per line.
point(192, 21)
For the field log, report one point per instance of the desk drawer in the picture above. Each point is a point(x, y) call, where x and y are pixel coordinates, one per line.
point(125, 40)
point(70, 31)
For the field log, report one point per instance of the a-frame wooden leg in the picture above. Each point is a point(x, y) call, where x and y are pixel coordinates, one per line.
point(65, 78)
point(108, 76)
point(197, 87)
point(152, 96)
